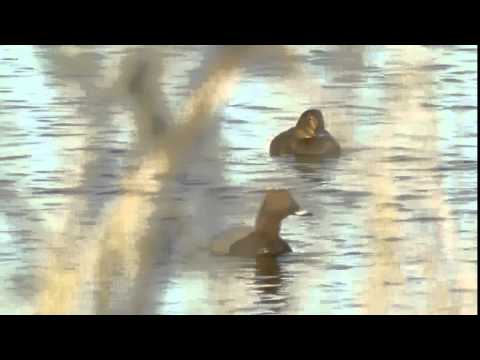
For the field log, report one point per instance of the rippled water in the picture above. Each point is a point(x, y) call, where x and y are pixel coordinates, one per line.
point(394, 229)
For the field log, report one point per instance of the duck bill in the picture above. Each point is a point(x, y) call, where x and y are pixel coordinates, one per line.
point(302, 212)
point(305, 133)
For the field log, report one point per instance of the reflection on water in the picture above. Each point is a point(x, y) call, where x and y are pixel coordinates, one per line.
point(268, 282)
point(101, 214)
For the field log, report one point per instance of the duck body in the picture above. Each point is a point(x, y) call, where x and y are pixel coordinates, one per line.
point(307, 138)
point(263, 239)
point(245, 241)
point(322, 145)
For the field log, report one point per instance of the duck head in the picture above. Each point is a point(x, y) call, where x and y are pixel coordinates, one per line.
point(280, 204)
point(309, 124)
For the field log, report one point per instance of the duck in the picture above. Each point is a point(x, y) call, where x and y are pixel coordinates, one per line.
point(307, 138)
point(262, 239)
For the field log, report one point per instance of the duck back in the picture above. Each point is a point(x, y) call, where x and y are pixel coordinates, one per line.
point(282, 143)
point(222, 243)
point(255, 245)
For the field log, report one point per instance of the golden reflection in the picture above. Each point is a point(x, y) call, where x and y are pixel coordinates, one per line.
point(421, 127)
point(383, 215)
point(116, 242)
point(385, 273)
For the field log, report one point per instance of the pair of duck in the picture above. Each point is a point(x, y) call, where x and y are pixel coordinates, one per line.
point(308, 138)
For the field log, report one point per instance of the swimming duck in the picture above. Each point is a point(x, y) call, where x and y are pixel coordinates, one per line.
point(264, 238)
point(307, 138)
